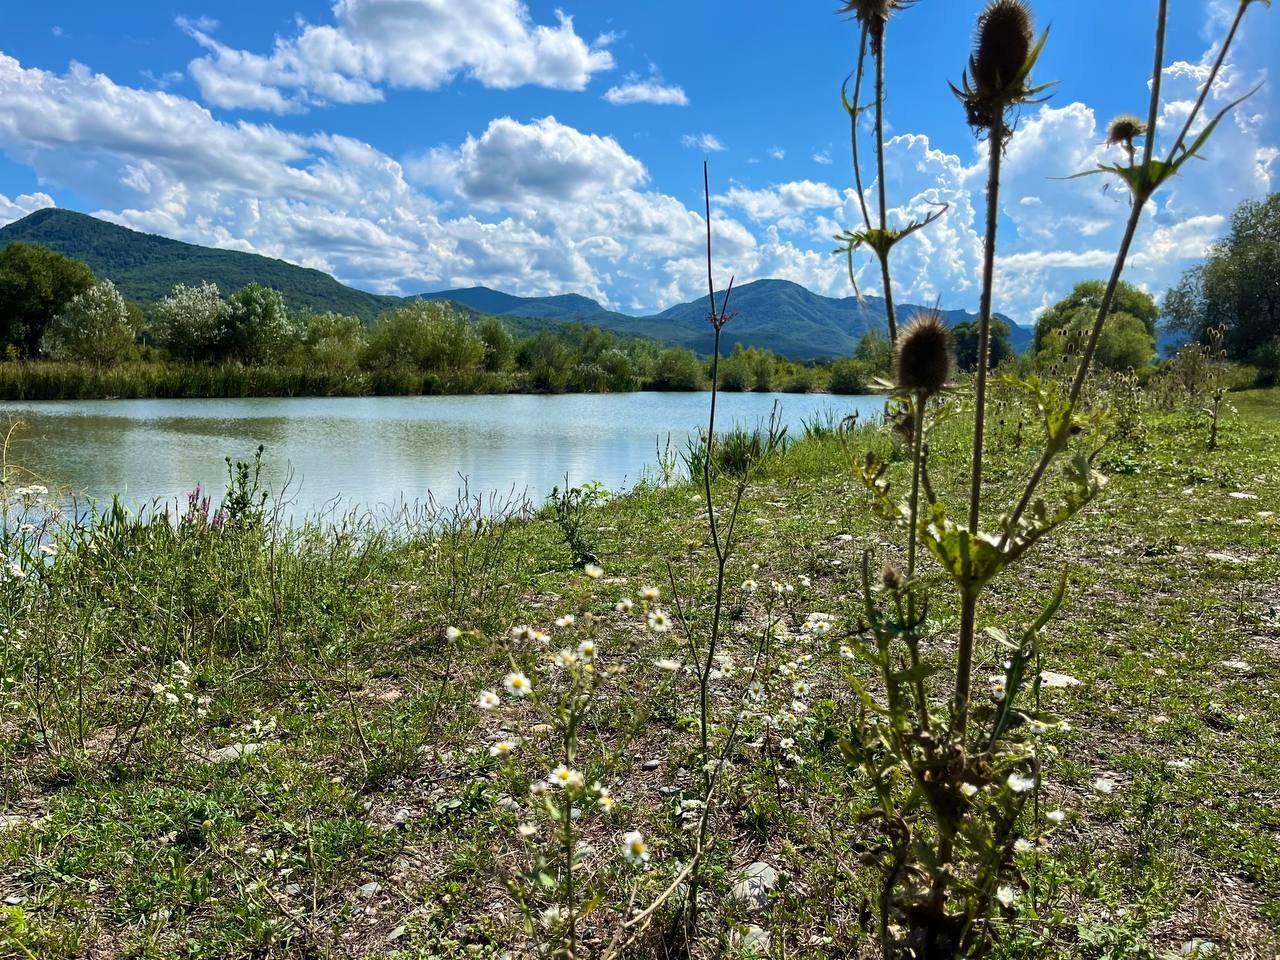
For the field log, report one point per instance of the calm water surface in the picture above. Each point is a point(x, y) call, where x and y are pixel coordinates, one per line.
point(377, 451)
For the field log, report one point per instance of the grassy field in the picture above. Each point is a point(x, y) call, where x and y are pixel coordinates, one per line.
point(246, 741)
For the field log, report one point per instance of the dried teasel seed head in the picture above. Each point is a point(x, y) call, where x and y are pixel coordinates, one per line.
point(922, 361)
point(1125, 129)
point(1004, 40)
point(891, 577)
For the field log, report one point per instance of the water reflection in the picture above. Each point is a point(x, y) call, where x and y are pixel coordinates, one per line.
point(374, 451)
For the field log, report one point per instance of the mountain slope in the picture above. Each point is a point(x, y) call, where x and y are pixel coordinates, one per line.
point(775, 314)
point(793, 320)
point(145, 267)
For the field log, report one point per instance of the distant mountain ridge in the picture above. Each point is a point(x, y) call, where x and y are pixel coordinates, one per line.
point(775, 314)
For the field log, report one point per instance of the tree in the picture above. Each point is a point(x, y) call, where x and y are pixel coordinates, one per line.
point(677, 369)
point(332, 341)
point(851, 375)
point(36, 284)
point(190, 323)
point(258, 328)
point(1237, 288)
point(964, 340)
point(1128, 337)
point(96, 327)
point(499, 345)
point(548, 361)
point(876, 351)
point(428, 336)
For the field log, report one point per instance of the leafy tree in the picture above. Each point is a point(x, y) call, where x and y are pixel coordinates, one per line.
point(1087, 296)
point(677, 369)
point(1128, 337)
point(499, 345)
point(36, 284)
point(964, 341)
point(426, 335)
point(1237, 288)
point(96, 327)
point(548, 361)
point(258, 328)
point(851, 375)
point(332, 341)
point(190, 322)
point(875, 350)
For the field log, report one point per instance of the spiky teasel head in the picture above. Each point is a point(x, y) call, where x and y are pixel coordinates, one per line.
point(1124, 130)
point(873, 14)
point(922, 359)
point(1004, 52)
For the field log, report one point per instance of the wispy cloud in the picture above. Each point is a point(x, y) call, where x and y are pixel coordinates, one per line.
point(652, 90)
point(702, 141)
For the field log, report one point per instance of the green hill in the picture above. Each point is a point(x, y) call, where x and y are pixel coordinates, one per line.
point(775, 314)
point(146, 267)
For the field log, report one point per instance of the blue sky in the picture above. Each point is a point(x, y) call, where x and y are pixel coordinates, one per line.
point(409, 145)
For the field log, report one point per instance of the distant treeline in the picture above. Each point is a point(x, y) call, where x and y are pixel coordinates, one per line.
point(67, 335)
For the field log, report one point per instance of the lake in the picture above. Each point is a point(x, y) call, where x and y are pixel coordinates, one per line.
point(377, 451)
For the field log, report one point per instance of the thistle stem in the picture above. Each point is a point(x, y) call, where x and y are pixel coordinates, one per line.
point(969, 598)
point(1141, 196)
point(917, 457)
point(853, 127)
point(877, 50)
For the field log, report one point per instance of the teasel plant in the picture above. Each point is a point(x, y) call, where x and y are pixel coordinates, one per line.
point(952, 782)
point(873, 19)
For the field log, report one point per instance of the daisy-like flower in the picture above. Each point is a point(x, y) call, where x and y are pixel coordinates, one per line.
point(800, 688)
point(1020, 784)
point(603, 798)
point(1023, 845)
point(517, 684)
point(587, 650)
point(968, 789)
point(565, 659)
point(503, 749)
point(524, 632)
point(806, 582)
point(563, 776)
point(488, 700)
point(786, 743)
point(1007, 896)
point(526, 829)
point(624, 605)
point(659, 622)
point(634, 849)
point(452, 633)
point(593, 570)
point(566, 621)
point(1055, 816)
point(553, 916)
point(846, 651)
point(755, 690)
point(749, 585)
point(667, 664)
point(651, 594)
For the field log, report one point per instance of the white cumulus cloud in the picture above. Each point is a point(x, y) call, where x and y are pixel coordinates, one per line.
point(419, 44)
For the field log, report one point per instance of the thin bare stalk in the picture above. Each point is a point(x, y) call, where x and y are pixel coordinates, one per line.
point(1122, 255)
point(969, 599)
point(853, 127)
point(877, 42)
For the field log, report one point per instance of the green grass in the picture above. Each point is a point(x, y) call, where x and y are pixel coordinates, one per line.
point(327, 648)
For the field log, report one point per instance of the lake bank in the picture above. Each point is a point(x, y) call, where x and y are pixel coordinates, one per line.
point(330, 788)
